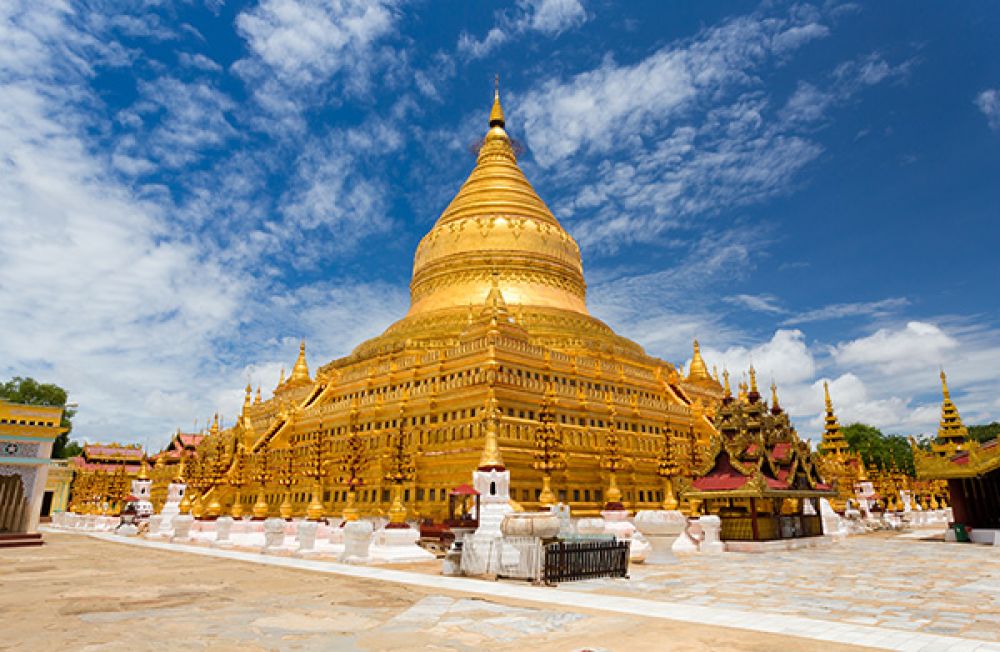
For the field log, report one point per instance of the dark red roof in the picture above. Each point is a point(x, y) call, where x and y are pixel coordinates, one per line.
point(464, 490)
point(781, 450)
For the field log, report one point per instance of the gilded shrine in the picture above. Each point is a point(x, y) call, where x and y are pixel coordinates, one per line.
point(498, 308)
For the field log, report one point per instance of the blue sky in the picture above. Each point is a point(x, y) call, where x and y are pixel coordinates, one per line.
point(188, 188)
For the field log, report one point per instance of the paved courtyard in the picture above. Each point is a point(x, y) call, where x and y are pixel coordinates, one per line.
point(80, 593)
point(883, 580)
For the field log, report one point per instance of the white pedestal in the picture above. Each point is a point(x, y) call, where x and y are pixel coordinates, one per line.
point(399, 545)
point(616, 523)
point(223, 527)
point(357, 541)
point(711, 526)
point(274, 534)
point(306, 538)
point(661, 528)
point(182, 528)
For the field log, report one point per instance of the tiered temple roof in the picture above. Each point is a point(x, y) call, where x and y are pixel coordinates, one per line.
point(757, 453)
point(110, 457)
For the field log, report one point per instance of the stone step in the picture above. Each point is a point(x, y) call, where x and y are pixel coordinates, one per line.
point(20, 539)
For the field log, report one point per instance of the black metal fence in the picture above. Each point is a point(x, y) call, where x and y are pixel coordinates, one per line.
point(566, 561)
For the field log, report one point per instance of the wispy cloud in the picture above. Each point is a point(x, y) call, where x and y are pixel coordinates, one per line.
point(988, 102)
point(548, 17)
point(879, 308)
point(757, 302)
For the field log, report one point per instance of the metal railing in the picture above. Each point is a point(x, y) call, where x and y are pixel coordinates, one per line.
point(585, 560)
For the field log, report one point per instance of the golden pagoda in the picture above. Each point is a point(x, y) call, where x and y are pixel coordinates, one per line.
point(498, 313)
point(970, 468)
point(837, 463)
point(952, 434)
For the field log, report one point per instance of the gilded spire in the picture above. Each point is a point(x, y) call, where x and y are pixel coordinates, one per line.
point(496, 113)
point(775, 407)
point(950, 430)
point(491, 458)
point(753, 380)
point(256, 399)
point(698, 371)
point(300, 372)
point(214, 430)
point(833, 440)
point(281, 378)
point(248, 398)
point(143, 470)
point(728, 391)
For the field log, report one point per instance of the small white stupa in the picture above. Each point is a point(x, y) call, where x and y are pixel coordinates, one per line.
point(142, 487)
point(171, 508)
point(492, 480)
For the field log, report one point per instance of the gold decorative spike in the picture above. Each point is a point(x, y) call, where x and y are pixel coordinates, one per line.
point(753, 380)
point(256, 399)
point(496, 112)
point(248, 398)
point(774, 396)
point(728, 392)
point(491, 458)
point(281, 378)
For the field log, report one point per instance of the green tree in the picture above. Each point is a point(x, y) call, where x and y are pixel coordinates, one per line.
point(31, 392)
point(985, 432)
point(879, 449)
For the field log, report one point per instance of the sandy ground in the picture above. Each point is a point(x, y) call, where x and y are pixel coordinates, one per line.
point(77, 593)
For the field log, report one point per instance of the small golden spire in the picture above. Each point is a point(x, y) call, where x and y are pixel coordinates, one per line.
point(496, 113)
point(248, 398)
point(698, 371)
point(491, 458)
point(215, 425)
point(753, 379)
point(728, 391)
point(281, 378)
point(715, 373)
point(826, 396)
point(774, 396)
point(143, 470)
point(944, 385)
point(256, 399)
point(300, 372)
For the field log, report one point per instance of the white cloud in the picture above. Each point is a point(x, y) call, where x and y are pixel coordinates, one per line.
point(549, 17)
point(918, 345)
point(880, 308)
point(300, 47)
point(988, 102)
point(553, 17)
point(199, 61)
point(756, 302)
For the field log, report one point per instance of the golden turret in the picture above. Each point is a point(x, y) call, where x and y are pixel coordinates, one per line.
point(300, 372)
point(698, 371)
point(728, 391)
point(833, 440)
point(247, 400)
point(143, 470)
point(951, 431)
point(256, 399)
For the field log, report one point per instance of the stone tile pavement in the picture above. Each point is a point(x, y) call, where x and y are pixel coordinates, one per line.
point(872, 591)
point(879, 580)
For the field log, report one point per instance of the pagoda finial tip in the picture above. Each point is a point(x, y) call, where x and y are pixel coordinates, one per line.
point(496, 113)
